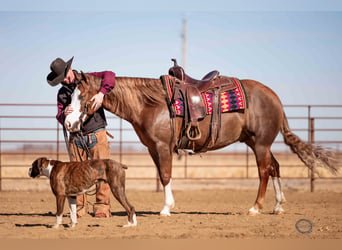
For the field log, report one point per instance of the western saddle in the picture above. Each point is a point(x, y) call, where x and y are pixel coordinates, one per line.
point(190, 91)
point(202, 85)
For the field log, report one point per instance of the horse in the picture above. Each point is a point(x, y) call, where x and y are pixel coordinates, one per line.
point(142, 102)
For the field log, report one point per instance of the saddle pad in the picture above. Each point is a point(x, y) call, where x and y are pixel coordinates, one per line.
point(231, 100)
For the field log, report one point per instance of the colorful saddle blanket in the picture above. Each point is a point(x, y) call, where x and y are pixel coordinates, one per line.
point(230, 100)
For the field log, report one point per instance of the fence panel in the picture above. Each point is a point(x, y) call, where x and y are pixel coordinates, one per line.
point(29, 131)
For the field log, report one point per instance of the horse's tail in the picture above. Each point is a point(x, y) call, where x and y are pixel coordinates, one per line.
point(308, 153)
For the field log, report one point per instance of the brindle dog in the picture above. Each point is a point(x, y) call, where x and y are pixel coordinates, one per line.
point(69, 179)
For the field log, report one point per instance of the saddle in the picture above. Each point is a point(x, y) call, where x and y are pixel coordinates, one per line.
point(191, 91)
point(202, 85)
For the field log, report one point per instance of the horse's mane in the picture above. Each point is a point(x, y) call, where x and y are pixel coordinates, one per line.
point(144, 90)
point(130, 94)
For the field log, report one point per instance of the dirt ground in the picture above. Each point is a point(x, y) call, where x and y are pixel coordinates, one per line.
point(198, 214)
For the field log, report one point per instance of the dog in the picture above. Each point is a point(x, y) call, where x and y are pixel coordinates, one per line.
point(69, 179)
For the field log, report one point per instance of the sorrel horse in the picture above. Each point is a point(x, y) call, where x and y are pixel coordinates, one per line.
point(142, 102)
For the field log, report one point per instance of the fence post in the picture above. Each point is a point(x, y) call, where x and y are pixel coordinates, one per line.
point(247, 162)
point(0, 160)
point(312, 140)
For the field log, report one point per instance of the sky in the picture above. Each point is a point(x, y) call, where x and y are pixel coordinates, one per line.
point(295, 49)
point(296, 53)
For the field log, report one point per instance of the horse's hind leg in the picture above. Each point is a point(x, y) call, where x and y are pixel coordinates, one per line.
point(263, 158)
point(279, 195)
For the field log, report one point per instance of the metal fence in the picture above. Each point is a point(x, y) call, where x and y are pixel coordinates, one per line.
point(29, 131)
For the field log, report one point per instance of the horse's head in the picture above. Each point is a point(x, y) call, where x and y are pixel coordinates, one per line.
point(80, 101)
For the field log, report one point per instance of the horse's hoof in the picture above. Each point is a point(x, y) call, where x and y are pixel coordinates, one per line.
point(165, 213)
point(253, 212)
point(134, 223)
point(129, 224)
point(166, 210)
point(278, 212)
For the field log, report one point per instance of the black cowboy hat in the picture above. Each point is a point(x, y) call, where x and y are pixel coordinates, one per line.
point(59, 70)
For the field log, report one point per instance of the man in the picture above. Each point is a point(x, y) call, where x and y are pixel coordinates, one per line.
point(93, 129)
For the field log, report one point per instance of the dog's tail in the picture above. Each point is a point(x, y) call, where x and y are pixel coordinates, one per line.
point(117, 163)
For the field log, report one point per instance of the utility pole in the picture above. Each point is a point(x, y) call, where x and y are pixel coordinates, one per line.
point(184, 44)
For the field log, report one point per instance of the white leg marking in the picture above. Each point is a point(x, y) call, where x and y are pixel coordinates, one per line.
point(73, 211)
point(169, 200)
point(252, 211)
point(58, 221)
point(279, 195)
point(135, 222)
point(283, 199)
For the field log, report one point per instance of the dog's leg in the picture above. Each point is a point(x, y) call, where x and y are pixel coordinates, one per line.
point(60, 199)
point(73, 210)
point(119, 194)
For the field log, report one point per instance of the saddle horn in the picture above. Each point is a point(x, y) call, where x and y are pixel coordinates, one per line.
point(175, 62)
point(177, 71)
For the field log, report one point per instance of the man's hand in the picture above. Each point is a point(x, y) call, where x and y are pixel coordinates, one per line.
point(97, 100)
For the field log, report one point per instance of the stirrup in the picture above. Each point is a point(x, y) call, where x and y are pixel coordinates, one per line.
point(197, 132)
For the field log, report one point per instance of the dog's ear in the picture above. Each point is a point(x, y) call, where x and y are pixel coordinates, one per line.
point(42, 161)
point(37, 163)
point(36, 168)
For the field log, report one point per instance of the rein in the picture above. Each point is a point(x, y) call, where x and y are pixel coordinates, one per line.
point(66, 139)
point(80, 137)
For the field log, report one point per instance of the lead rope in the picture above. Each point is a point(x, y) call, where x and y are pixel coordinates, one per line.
point(66, 139)
point(80, 137)
point(76, 149)
point(67, 142)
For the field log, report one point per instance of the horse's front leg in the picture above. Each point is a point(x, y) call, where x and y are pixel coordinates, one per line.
point(162, 157)
point(169, 200)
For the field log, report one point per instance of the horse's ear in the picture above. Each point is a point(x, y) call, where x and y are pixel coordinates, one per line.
point(78, 77)
point(84, 76)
